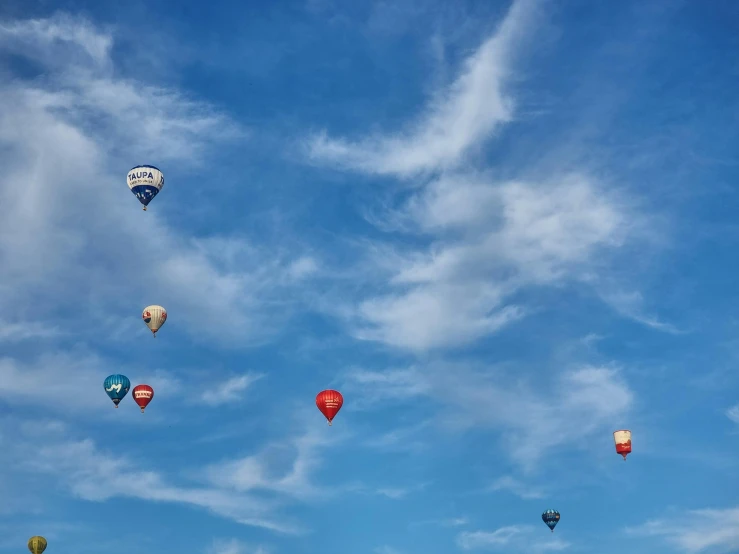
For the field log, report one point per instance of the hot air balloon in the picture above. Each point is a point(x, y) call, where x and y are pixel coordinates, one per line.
point(329, 402)
point(142, 395)
point(36, 544)
point(622, 439)
point(117, 387)
point(154, 317)
point(145, 181)
point(551, 518)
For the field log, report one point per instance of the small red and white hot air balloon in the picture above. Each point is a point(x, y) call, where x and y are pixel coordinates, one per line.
point(329, 402)
point(142, 395)
point(622, 439)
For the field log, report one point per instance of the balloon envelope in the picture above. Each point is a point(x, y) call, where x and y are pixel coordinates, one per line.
point(551, 518)
point(117, 387)
point(37, 544)
point(142, 395)
point(154, 316)
point(329, 402)
point(145, 181)
point(622, 439)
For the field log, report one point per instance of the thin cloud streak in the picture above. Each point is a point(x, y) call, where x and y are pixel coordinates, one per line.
point(230, 391)
point(518, 538)
point(234, 546)
point(469, 111)
point(733, 414)
point(26, 383)
point(490, 241)
point(251, 491)
point(589, 398)
point(696, 530)
point(508, 483)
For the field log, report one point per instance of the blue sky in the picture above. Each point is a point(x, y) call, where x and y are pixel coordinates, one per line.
point(501, 230)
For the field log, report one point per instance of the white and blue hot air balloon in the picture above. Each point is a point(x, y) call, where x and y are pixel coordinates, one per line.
point(145, 181)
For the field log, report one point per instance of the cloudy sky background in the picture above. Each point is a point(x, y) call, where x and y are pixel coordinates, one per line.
point(502, 230)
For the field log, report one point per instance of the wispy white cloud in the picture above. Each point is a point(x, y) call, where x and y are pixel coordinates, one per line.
point(508, 483)
point(27, 382)
point(162, 379)
point(380, 387)
point(252, 491)
point(84, 90)
point(434, 317)
point(696, 530)
point(385, 549)
point(234, 546)
point(400, 439)
point(500, 537)
point(484, 236)
point(66, 373)
point(631, 305)
point(231, 390)
point(87, 471)
point(283, 467)
point(591, 338)
point(400, 492)
point(74, 213)
point(56, 39)
point(16, 332)
point(302, 267)
point(392, 493)
point(733, 413)
point(458, 118)
point(63, 138)
point(589, 398)
point(512, 537)
point(484, 242)
point(491, 239)
point(449, 522)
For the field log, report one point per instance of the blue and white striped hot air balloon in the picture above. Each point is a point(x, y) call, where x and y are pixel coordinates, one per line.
point(116, 387)
point(145, 181)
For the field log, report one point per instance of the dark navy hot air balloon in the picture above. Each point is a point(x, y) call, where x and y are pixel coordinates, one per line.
point(551, 518)
point(145, 181)
point(117, 387)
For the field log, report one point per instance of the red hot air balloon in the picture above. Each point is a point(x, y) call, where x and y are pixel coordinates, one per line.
point(142, 395)
point(329, 402)
point(622, 439)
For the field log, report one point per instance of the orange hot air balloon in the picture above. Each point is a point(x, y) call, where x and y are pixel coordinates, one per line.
point(622, 439)
point(142, 395)
point(329, 402)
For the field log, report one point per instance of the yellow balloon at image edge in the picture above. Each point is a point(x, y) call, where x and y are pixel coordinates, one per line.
point(36, 545)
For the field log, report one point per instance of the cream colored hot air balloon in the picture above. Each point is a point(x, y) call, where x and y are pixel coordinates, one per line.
point(36, 544)
point(622, 438)
point(154, 317)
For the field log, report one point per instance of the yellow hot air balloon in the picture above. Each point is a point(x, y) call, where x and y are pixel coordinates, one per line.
point(36, 544)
